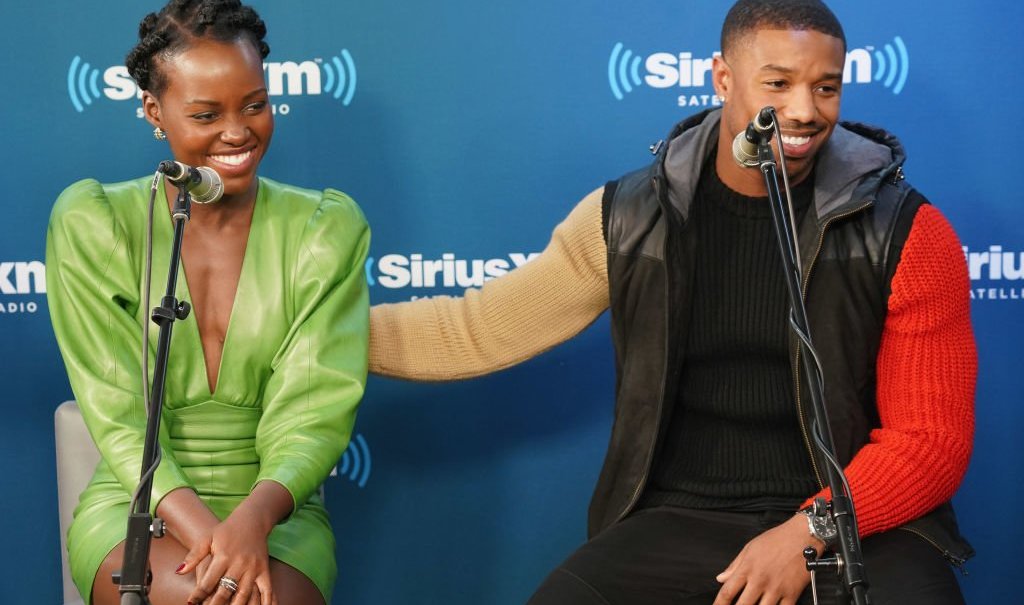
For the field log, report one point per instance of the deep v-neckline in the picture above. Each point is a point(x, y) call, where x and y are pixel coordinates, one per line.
point(185, 294)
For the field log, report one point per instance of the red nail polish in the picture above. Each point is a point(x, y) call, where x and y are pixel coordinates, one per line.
point(181, 567)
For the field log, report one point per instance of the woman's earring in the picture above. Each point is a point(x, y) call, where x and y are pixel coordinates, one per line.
point(159, 134)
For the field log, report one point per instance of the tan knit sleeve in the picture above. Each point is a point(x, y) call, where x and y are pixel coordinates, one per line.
point(510, 319)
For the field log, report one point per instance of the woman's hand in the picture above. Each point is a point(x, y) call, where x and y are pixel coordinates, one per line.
point(235, 555)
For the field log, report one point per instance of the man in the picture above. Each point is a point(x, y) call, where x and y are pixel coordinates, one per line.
point(710, 462)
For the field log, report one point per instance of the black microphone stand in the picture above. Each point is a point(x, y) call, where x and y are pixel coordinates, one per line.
point(849, 561)
point(134, 578)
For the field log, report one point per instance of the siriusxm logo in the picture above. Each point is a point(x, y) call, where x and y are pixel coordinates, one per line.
point(335, 77)
point(891, 68)
point(356, 462)
point(889, 65)
point(21, 278)
point(995, 265)
point(414, 271)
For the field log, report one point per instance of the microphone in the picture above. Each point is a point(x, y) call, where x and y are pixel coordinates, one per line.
point(203, 182)
point(744, 146)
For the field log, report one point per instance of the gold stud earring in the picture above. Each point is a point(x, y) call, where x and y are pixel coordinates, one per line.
point(159, 134)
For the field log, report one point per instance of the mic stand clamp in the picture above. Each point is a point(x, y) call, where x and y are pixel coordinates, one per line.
point(849, 559)
point(134, 578)
point(833, 563)
point(814, 564)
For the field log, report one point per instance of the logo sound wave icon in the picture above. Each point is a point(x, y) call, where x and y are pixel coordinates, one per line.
point(356, 462)
point(893, 65)
point(341, 77)
point(623, 71)
point(83, 83)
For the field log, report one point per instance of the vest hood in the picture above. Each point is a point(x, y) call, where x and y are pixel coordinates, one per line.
point(848, 169)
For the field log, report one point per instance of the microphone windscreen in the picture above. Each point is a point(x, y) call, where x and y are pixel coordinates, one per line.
point(210, 187)
point(743, 151)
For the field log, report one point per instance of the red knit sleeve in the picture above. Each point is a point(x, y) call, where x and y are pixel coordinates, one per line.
point(927, 367)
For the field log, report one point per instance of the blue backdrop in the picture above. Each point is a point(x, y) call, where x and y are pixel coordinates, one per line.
point(470, 129)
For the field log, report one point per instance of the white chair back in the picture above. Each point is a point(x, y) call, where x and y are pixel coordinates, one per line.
point(77, 457)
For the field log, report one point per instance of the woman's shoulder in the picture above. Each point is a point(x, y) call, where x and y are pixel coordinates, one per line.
point(313, 207)
point(90, 198)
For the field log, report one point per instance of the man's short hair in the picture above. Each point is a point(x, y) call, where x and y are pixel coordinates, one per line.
point(747, 16)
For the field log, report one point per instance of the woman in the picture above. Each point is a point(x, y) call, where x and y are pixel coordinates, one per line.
point(264, 377)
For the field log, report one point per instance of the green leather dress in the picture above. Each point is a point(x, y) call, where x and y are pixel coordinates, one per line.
point(292, 373)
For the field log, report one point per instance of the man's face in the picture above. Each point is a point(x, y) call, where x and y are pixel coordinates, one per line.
point(800, 73)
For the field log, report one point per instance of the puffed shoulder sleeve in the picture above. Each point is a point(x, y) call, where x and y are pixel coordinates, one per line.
point(92, 285)
point(319, 372)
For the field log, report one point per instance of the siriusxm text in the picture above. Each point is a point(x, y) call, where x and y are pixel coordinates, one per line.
point(665, 70)
point(994, 264)
point(22, 277)
point(415, 271)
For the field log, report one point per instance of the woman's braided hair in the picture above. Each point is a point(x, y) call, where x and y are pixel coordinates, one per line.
point(169, 31)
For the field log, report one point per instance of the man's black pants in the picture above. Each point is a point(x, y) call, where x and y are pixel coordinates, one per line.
point(669, 555)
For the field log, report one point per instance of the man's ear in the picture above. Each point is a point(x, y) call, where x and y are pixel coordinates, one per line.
point(721, 77)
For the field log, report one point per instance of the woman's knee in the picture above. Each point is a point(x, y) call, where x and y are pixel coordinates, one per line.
point(167, 588)
point(292, 587)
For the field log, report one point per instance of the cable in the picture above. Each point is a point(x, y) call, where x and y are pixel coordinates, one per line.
point(805, 338)
point(819, 440)
point(147, 284)
point(785, 184)
point(817, 367)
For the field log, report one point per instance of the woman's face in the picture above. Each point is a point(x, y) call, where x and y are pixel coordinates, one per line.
point(215, 110)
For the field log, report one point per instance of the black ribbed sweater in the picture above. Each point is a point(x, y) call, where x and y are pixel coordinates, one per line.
point(733, 441)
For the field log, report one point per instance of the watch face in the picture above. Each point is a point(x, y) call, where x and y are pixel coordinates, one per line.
point(824, 528)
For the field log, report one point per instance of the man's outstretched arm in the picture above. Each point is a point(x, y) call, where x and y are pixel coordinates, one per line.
point(510, 319)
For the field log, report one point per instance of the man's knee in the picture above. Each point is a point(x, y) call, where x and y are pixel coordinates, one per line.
point(562, 587)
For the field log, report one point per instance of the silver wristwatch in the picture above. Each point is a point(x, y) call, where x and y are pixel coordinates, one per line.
point(822, 527)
